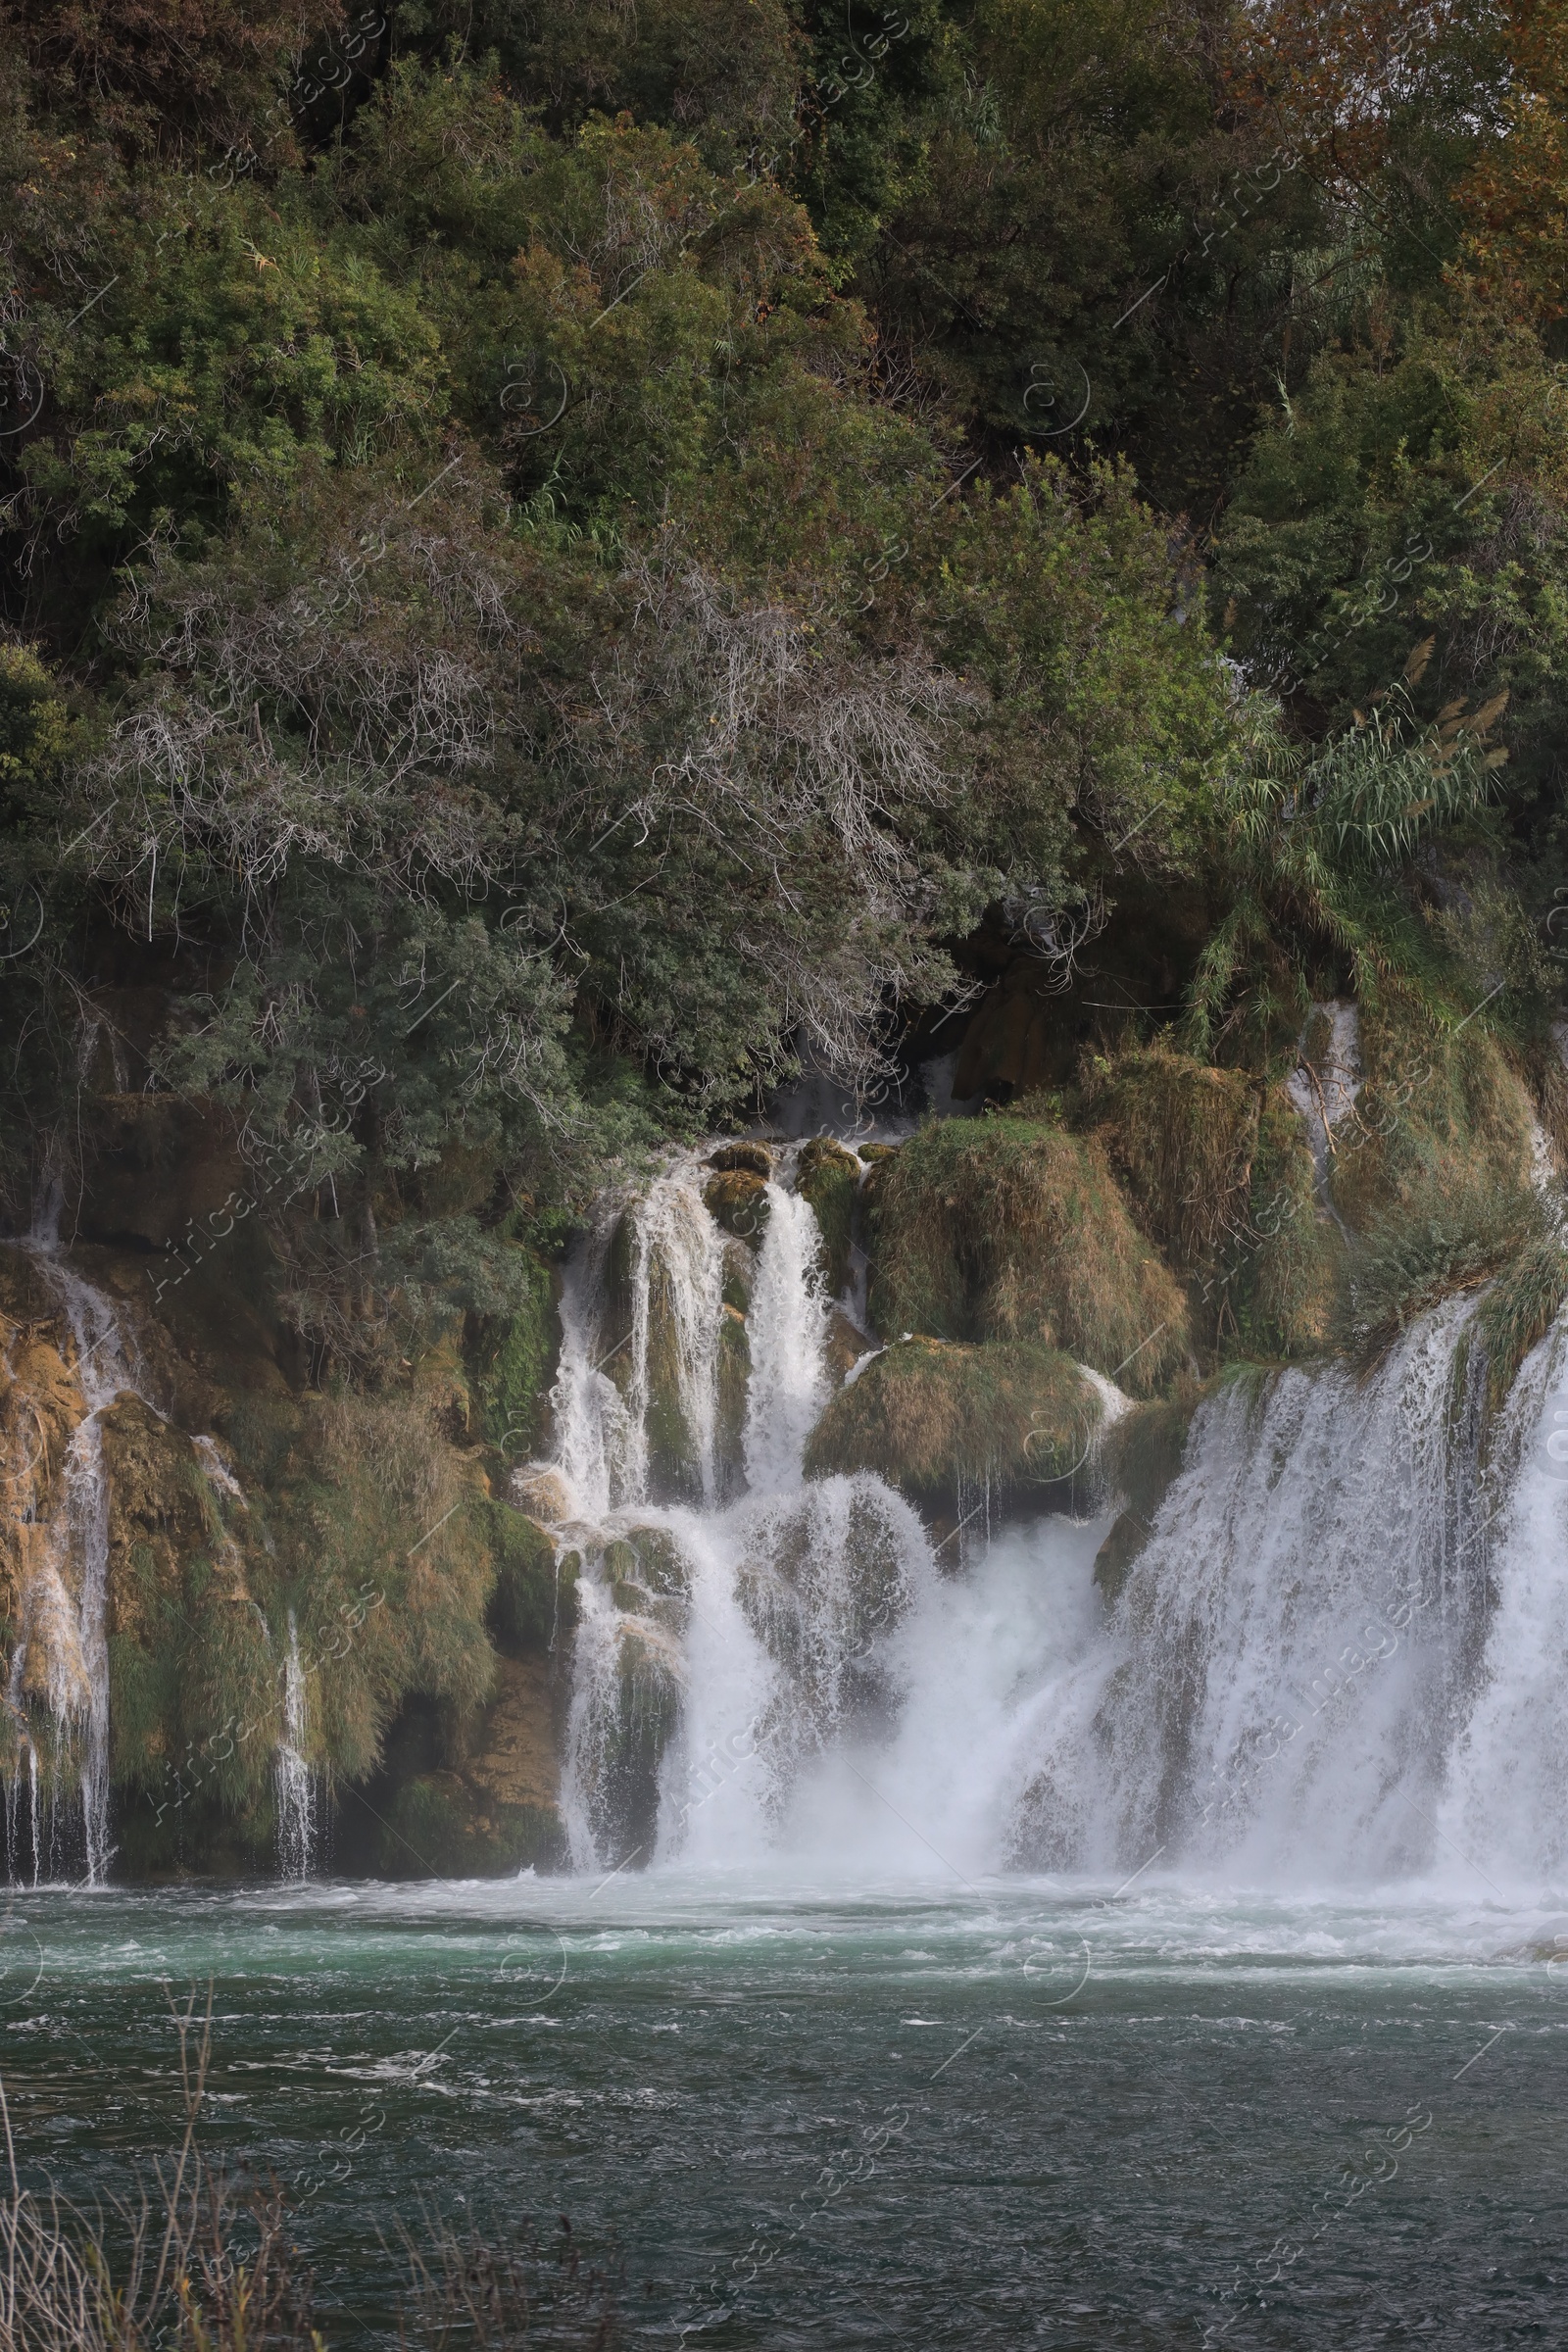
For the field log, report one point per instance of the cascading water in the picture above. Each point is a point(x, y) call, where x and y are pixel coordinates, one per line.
point(1337, 1657)
point(73, 1630)
point(720, 1645)
point(1283, 1676)
point(788, 1320)
point(294, 1780)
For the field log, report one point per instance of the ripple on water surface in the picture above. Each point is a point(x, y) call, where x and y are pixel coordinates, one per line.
point(1038, 2111)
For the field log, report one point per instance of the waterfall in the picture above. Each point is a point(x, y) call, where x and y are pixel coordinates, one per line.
point(294, 1780)
point(733, 1620)
point(1338, 1657)
point(788, 1320)
point(1281, 1680)
point(1503, 1803)
point(70, 1628)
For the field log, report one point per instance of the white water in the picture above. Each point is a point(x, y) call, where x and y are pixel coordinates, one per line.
point(1324, 1092)
point(788, 1322)
point(294, 1779)
point(1341, 1660)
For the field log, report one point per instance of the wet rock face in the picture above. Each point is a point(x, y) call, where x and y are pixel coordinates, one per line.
point(625, 1718)
point(540, 1490)
point(472, 1799)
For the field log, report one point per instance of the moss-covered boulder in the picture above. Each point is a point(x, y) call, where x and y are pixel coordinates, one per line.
point(737, 1201)
point(1437, 1109)
point(1011, 1228)
point(530, 1607)
point(829, 1178)
point(663, 1568)
point(931, 1417)
point(845, 1345)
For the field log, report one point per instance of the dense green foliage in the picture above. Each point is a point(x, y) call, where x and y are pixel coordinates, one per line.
point(562, 562)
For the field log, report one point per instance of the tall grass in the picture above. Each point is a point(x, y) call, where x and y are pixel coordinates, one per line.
point(1450, 1234)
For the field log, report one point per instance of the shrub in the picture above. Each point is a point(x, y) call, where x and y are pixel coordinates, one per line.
point(1519, 1310)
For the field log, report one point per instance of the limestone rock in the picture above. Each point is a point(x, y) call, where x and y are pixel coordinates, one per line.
point(845, 1345)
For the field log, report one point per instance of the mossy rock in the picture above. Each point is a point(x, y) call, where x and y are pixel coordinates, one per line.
point(674, 1467)
point(1436, 1110)
point(829, 1178)
point(1181, 1137)
point(1278, 1289)
point(845, 1345)
point(740, 1270)
point(661, 1563)
point(467, 1792)
point(440, 1825)
point(931, 1416)
point(737, 1202)
point(1011, 1228)
point(528, 1608)
point(517, 1362)
point(754, 1159)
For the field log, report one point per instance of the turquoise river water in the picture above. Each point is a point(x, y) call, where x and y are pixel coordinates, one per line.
point(1018, 2112)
